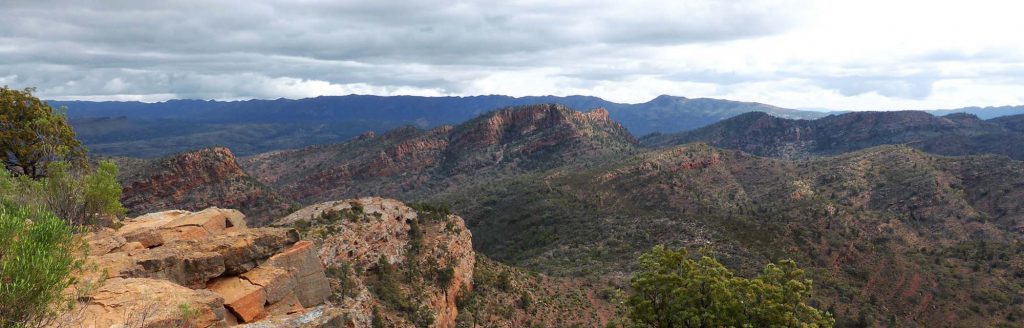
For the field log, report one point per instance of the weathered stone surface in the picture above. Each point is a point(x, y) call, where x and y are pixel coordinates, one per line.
point(300, 259)
point(253, 273)
point(131, 247)
point(288, 304)
point(156, 229)
point(277, 282)
point(147, 237)
point(192, 263)
point(182, 264)
point(319, 317)
point(302, 262)
point(213, 220)
point(243, 250)
point(313, 289)
point(103, 241)
point(243, 298)
point(147, 303)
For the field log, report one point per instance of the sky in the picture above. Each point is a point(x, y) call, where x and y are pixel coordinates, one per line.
point(845, 55)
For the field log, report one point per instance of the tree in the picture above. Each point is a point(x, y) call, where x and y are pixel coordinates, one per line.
point(32, 134)
point(38, 254)
point(672, 290)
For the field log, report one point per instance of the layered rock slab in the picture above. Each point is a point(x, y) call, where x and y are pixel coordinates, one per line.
point(207, 260)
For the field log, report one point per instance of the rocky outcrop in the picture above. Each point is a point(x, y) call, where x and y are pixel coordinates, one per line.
point(140, 302)
point(196, 180)
point(410, 163)
point(358, 236)
point(208, 261)
point(545, 134)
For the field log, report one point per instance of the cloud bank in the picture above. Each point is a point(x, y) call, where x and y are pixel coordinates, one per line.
point(822, 54)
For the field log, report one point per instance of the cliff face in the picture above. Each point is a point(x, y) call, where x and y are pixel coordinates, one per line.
point(196, 180)
point(370, 244)
point(412, 162)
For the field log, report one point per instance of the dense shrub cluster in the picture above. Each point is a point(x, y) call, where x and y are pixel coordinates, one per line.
point(38, 254)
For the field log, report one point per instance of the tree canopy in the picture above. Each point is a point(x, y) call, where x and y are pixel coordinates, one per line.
point(673, 290)
point(32, 134)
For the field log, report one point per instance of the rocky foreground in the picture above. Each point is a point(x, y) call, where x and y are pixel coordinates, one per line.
point(315, 268)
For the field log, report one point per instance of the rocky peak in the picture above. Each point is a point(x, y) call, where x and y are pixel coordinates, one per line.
point(196, 180)
point(534, 131)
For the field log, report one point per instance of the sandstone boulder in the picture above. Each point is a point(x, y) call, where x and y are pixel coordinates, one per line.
point(244, 299)
point(278, 283)
point(103, 241)
point(192, 263)
point(139, 302)
point(302, 262)
point(155, 229)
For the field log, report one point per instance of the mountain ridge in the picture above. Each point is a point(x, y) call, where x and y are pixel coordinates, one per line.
point(254, 126)
point(765, 135)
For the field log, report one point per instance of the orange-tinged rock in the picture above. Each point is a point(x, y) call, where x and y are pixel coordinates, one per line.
point(302, 262)
point(289, 304)
point(213, 220)
point(126, 302)
point(243, 298)
point(104, 241)
point(131, 247)
point(277, 282)
point(147, 237)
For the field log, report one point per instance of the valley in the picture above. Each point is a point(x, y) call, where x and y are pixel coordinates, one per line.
point(891, 232)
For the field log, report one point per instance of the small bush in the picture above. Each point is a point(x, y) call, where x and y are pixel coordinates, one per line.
point(415, 237)
point(445, 276)
point(79, 197)
point(38, 255)
point(344, 276)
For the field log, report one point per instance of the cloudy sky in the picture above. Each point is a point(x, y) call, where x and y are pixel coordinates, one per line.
point(852, 55)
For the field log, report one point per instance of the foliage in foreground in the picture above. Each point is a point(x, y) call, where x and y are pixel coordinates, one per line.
point(38, 254)
point(79, 198)
point(33, 134)
point(673, 290)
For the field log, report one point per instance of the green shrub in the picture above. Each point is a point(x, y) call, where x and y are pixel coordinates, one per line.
point(431, 212)
point(672, 290)
point(75, 195)
point(415, 237)
point(38, 254)
point(378, 320)
point(344, 276)
point(445, 276)
point(187, 315)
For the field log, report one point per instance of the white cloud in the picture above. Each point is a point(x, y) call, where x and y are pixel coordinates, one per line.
point(862, 55)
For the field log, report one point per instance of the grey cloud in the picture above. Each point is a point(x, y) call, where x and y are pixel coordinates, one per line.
point(223, 48)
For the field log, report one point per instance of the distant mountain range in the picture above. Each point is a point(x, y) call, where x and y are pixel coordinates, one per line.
point(248, 127)
point(766, 135)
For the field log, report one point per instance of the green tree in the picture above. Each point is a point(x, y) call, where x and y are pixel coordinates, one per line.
point(673, 290)
point(38, 254)
point(32, 134)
